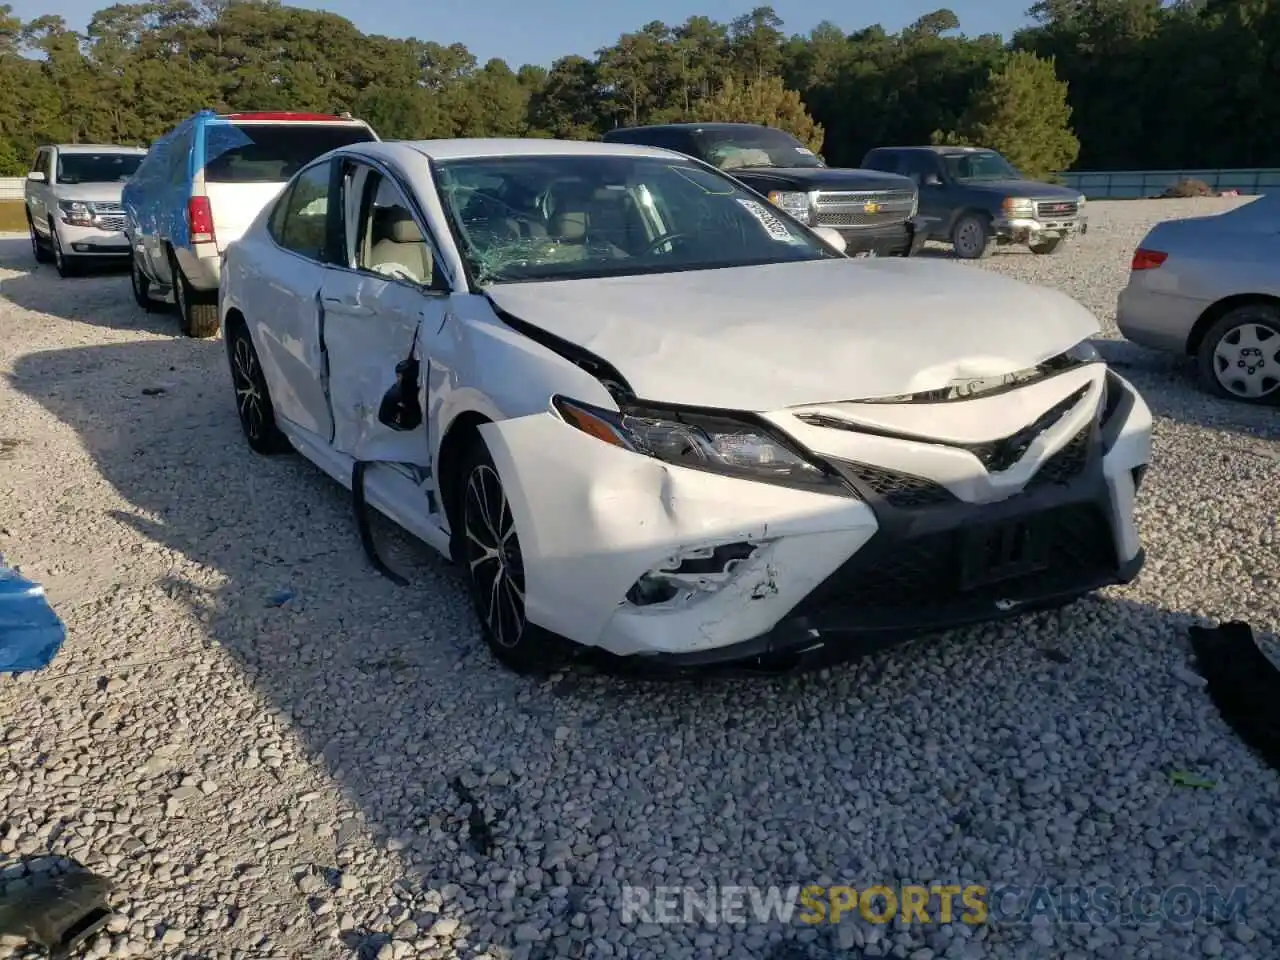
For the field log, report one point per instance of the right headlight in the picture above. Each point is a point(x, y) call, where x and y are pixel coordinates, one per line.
point(793, 202)
point(720, 443)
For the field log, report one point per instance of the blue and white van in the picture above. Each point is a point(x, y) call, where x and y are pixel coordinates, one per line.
point(199, 188)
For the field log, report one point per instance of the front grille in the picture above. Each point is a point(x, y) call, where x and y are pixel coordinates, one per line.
point(998, 455)
point(901, 490)
point(1067, 464)
point(107, 207)
point(1051, 209)
point(114, 224)
point(863, 208)
point(925, 572)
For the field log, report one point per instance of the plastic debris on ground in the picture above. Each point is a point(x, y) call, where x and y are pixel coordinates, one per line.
point(1243, 684)
point(31, 634)
point(57, 911)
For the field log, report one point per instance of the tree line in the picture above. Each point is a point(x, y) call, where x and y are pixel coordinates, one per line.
point(1094, 84)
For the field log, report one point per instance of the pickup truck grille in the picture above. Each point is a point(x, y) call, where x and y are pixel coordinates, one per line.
point(113, 222)
point(863, 208)
point(1055, 209)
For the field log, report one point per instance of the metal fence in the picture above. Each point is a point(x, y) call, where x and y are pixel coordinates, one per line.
point(11, 188)
point(1136, 184)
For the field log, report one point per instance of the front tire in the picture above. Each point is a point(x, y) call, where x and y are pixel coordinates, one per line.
point(1049, 247)
point(494, 569)
point(197, 311)
point(1239, 357)
point(253, 400)
point(38, 251)
point(971, 237)
point(64, 263)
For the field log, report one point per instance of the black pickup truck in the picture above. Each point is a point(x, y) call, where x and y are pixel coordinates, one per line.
point(873, 211)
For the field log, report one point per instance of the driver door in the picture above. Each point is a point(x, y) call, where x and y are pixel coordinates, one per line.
point(380, 312)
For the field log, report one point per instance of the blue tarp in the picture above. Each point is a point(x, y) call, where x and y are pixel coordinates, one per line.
point(31, 634)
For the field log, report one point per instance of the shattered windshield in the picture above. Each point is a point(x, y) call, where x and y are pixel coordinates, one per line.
point(575, 217)
point(751, 148)
point(979, 165)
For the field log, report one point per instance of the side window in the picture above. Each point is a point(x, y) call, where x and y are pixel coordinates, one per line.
point(389, 241)
point(275, 222)
point(38, 163)
point(46, 164)
point(883, 160)
point(301, 223)
point(177, 157)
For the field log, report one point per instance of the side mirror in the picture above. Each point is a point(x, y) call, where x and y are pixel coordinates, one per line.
point(831, 238)
point(36, 176)
point(931, 180)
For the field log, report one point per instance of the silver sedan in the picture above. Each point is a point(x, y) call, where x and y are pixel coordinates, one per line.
point(1209, 287)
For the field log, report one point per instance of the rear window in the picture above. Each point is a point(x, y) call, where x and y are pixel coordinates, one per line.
point(271, 152)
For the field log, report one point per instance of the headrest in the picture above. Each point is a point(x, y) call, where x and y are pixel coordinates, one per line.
point(570, 225)
point(397, 225)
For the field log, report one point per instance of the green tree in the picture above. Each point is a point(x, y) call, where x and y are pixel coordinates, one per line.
point(1022, 112)
point(764, 101)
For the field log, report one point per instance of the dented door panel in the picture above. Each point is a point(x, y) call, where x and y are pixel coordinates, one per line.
point(370, 326)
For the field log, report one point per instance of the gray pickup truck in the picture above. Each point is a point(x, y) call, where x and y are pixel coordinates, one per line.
point(872, 212)
point(974, 199)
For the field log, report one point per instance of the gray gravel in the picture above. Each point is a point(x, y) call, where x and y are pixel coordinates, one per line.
point(271, 748)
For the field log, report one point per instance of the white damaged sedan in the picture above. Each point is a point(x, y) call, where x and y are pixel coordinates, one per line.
point(650, 413)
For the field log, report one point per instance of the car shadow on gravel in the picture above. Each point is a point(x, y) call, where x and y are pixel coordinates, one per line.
point(585, 781)
point(100, 296)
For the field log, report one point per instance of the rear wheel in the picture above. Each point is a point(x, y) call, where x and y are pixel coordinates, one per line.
point(971, 236)
point(253, 400)
point(197, 310)
point(38, 250)
point(1239, 357)
point(494, 568)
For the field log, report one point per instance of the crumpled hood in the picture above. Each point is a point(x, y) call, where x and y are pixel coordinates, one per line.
point(764, 338)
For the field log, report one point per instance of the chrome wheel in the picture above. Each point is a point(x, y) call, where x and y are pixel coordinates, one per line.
point(494, 562)
point(1246, 361)
point(249, 399)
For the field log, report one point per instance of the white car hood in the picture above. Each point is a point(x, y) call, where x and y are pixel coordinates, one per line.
point(764, 338)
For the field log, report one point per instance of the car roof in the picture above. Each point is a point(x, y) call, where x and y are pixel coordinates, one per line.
point(939, 148)
point(477, 148)
point(711, 127)
point(95, 148)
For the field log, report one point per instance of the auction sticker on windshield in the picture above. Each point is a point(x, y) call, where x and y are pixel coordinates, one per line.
point(772, 225)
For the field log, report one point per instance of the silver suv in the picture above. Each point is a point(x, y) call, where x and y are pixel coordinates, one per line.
point(73, 203)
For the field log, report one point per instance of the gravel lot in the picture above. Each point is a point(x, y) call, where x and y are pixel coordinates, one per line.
point(261, 740)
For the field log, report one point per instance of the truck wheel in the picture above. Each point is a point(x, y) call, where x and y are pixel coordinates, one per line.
point(971, 236)
point(65, 264)
point(197, 311)
point(1049, 246)
point(141, 285)
point(37, 248)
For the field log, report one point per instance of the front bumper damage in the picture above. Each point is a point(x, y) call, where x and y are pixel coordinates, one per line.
point(637, 556)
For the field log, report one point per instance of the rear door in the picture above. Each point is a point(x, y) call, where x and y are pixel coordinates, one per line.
point(285, 320)
point(248, 162)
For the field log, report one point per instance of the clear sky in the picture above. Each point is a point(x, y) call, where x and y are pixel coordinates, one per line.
point(539, 31)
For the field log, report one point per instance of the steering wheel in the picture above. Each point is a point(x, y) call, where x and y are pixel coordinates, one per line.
point(659, 241)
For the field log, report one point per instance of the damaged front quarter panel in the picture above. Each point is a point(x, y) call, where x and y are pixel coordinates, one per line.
point(629, 553)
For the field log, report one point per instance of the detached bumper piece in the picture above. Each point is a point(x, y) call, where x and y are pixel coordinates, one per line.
point(1243, 684)
point(58, 911)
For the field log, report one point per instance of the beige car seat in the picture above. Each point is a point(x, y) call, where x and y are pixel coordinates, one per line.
point(397, 247)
